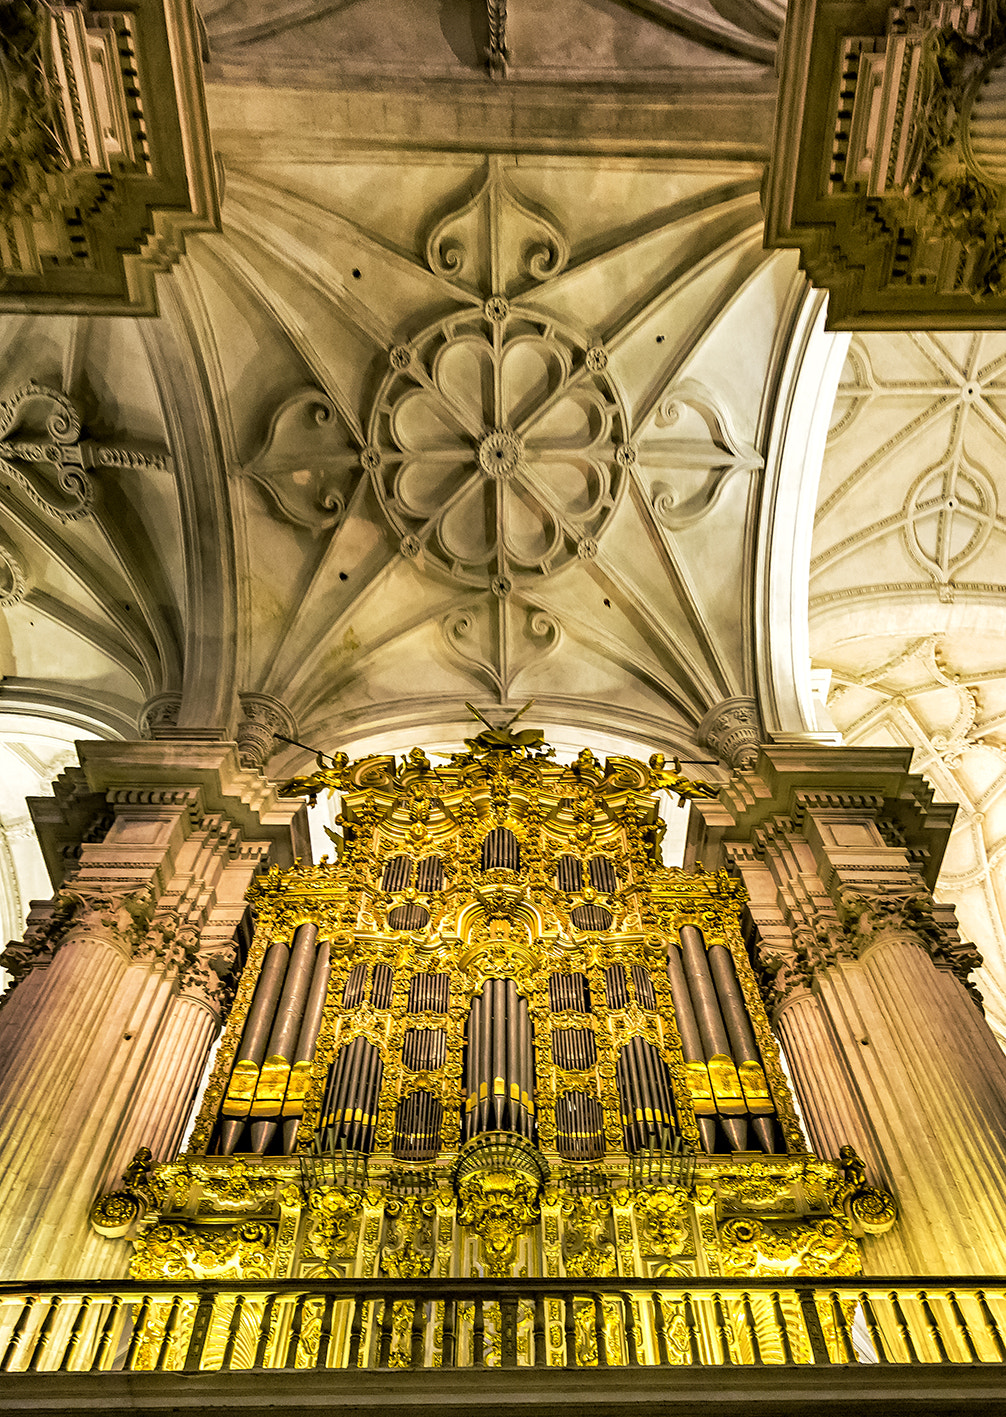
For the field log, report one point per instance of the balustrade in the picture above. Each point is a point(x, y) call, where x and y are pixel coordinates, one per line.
point(464, 1323)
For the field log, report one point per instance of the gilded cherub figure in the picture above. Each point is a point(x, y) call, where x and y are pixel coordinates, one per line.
point(673, 780)
point(331, 774)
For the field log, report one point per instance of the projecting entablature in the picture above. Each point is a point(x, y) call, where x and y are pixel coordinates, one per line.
point(107, 158)
point(889, 168)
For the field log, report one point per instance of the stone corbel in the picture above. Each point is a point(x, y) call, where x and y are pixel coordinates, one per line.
point(262, 718)
point(871, 1210)
point(733, 731)
point(139, 1199)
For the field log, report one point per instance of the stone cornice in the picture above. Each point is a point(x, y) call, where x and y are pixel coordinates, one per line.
point(201, 777)
point(256, 121)
point(790, 781)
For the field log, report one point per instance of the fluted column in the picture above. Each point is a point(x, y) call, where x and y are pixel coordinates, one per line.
point(866, 981)
point(121, 983)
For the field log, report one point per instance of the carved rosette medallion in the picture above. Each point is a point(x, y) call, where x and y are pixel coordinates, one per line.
point(498, 448)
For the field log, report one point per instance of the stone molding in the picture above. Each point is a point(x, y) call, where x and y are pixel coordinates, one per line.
point(890, 161)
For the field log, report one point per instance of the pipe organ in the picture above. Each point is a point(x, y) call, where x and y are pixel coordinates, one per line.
point(497, 998)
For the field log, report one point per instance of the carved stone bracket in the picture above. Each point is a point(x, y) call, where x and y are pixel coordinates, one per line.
point(409, 1253)
point(158, 713)
point(262, 718)
point(732, 730)
point(588, 1246)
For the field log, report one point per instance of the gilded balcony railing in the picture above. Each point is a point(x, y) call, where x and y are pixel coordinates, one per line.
point(462, 1323)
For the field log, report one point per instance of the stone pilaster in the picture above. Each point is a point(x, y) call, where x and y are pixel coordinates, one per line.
point(122, 979)
point(867, 983)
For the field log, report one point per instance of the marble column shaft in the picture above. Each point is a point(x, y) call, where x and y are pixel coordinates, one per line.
point(104, 1039)
point(864, 977)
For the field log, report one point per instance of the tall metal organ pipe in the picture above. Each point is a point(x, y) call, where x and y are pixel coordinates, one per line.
point(692, 1050)
point(351, 1097)
point(742, 1037)
point(251, 1050)
point(645, 1094)
point(307, 1037)
point(722, 1071)
point(499, 1071)
point(285, 1028)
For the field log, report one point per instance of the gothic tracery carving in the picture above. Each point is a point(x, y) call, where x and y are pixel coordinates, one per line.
point(495, 448)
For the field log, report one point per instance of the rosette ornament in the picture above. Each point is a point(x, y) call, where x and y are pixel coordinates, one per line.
point(497, 446)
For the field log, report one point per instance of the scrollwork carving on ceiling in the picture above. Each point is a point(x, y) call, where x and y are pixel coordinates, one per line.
point(690, 429)
point(52, 462)
point(308, 464)
point(498, 641)
point(13, 577)
point(497, 242)
point(497, 445)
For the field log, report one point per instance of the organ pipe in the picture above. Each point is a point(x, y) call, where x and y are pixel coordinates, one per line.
point(310, 1027)
point(418, 1121)
point(746, 1052)
point(349, 1113)
point(699, 1086)
point(252, 1048)
point(286, 1023)
point(500, 1067)
point(722, 1070)
point(645, 1094)
point(579, 1126)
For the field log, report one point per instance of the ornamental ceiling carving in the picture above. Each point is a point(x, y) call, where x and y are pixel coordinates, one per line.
point(503, 435)
point(908, 592)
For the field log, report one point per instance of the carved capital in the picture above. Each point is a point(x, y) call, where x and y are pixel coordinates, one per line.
point(158, 713)
point(123, 915)
point(262, 717)
point(733, 731)
point(47, 928)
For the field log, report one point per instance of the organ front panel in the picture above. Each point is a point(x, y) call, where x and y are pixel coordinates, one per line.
point(496, 1009)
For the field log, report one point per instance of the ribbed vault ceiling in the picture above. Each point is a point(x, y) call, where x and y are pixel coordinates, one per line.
point(487, 390)
point(907, 597)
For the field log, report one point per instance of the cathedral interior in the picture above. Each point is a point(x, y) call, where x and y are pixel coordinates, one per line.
point(503, 705)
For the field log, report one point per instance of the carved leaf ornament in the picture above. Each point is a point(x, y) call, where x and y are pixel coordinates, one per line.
point(42, 450)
